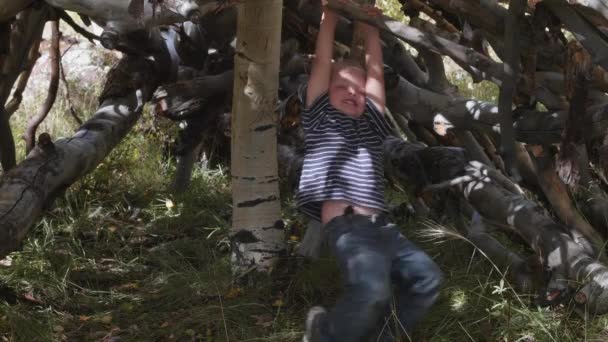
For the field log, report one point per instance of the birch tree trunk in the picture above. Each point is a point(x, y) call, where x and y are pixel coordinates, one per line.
point(257, 229)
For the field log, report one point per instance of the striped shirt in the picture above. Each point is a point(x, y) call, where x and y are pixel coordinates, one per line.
point(343, 157)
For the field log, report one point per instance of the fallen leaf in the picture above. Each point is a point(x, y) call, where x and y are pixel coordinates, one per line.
point(84, 318)
point(128, 286)
point(164, 325)
point(294, 238)
point(233, 292)
point(107, 319)
point(278, 303)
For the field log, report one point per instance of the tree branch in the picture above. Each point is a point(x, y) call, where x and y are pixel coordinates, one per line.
point(507, 89)
point(68, 20)
point(32, 125)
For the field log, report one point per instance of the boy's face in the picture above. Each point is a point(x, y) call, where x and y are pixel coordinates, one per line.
point(347, 90)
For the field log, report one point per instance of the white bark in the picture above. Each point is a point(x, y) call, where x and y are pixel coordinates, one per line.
point(27, 189)
point(258, 236)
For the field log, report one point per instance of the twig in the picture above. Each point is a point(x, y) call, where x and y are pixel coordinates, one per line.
point(33, 124)
point(15, 102)
point(67, 93)
point(68, 20)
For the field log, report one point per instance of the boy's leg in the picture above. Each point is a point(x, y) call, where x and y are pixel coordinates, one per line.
point(357, 245)
point(417, 281)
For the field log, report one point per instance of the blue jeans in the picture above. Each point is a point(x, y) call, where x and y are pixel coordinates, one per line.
point(372, 256)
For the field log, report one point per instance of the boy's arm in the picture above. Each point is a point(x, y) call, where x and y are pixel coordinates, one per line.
point(374, 85)
point(320, 73)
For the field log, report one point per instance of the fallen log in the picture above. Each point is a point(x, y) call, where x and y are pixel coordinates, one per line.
point(51, 167)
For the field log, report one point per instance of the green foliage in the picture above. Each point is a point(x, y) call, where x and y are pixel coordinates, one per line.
point(391, 8)
point(484, 90)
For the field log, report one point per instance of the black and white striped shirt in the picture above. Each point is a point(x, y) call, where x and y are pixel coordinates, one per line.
point(343, 158)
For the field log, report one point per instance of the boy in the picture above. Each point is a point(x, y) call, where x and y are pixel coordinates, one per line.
point(342, 186)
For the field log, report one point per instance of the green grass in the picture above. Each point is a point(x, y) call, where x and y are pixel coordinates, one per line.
point(120, 256)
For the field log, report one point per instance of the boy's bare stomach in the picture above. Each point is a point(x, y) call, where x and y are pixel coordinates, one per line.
point(333, 208)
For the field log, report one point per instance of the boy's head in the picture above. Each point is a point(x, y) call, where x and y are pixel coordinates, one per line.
point(347, 88)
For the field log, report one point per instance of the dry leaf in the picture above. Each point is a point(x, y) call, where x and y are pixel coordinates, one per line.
point(278, 303)
point(84, 318)
point(164, 325)
point(107, 319)
point(233, 292)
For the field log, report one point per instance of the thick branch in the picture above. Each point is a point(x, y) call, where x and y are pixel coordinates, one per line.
point(557, 194)
point(592, 39)
point(26, 33)
point(417, 38)
point(10, 8)
point(180, 100)
point(507, 90)
point(26, 190)
point(68, 20)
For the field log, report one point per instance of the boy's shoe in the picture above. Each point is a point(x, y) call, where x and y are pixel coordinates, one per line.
point(314, 320)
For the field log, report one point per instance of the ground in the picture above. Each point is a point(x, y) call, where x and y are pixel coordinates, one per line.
point(119, 258)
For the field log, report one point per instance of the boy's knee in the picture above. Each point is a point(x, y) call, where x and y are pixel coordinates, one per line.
point(377, 293)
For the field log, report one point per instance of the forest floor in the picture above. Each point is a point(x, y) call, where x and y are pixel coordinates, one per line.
point(120, 258)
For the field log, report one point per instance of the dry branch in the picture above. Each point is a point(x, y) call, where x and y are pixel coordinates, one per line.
point(26, 33)
point(54, 60)
point(50, 168)
point(10, 8)
point(417, 38)
point(13, 105)
point(509, 81)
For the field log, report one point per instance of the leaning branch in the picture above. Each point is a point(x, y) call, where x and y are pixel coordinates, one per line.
point(68, 20)
point(26, 190)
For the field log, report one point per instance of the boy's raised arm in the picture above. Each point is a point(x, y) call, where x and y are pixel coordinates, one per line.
point(374, 85)
point(320, 73)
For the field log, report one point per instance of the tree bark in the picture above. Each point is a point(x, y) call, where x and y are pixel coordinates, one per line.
point(507, 89)
point(50, 168)
point(257, 229)
point(27, 31)
point(10, 8)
